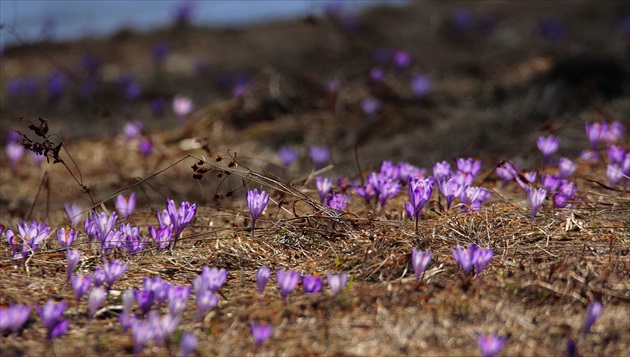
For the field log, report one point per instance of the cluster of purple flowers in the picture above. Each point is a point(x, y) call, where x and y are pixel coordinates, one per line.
point(288, 281)
point(29, 237)
point(319, 156)
point(472, 257)
point(337, 201)
point(605, 136)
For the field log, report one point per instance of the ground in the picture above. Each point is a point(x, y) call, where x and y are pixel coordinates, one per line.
point(495, 89)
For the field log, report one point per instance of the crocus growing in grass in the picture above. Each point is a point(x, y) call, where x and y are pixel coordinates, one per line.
point(261, 333)
point(450, 189)
point(28, 238)
point(370, 106)
point(145, 300)
point(287, 280)
point(65, 236)
point(473, 197)
point(441, 170)
point(80, 285)
point(162, 236)
point(72, 260)
point(51, 314)
point(187, 344)
point(469, 166)
point(182, 106)
point(566, 168)
point(593, 311)
point(616, 154)
point(566, 192)
point(613, 172)
point(132, 129)
point(256, 202)
point(324, 185)
point(548, 146)
point(550, 182)
point(98, 276)
point(206, 300)
point(419, 195)
point(338, 201)
point(472, 257)
point(535, 198)
point(287, 155)
point(180, 218)
point(13, 317)
point(214, 278)
point(311, 284)
point(337, 282)
point(142, 332)
point(145, 147)
point(420, 260)
point(262, 277)
point(113, 271)
point(96, 300)
point(124, 205)
point(490, 345)
point(74, 214)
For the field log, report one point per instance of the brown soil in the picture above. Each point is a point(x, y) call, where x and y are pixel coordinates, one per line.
point(493, 94)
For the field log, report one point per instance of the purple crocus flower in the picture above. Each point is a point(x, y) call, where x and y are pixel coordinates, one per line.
point(145, 147)
point(127, 321)
point(473, 197)
point(594, 133)
point(96, 300)
point(256, 202)
point(548, 146)
point(162, 236)
point(420, 260)
point(72, 260)
point(187, 344)
point(566, 168)
point(142, 332)
point(214, 278)
point(51, 314)
point(377, 75)
point(472, 257)
point(389, 171)
point(130, 239)
point(56, 83)
point(261, 333)
point(287, 280)
point(402, 59)
point(441, 170)
point(65, 236)
point(101, 225)
point(535, 198)
point(550, 182)
point(367, 192)
point(158, 286)
point(593, 311)
point(13, 317)
point(74, 213)
point(124, 205)
point(507, 171)
point(28, 238)
point(613, 172)
point(319, 156)
point(311, 284)
point(98, 276)
point(324, 185)
point(490, 345)
point(370, 106)
point(420, 86)
point(338, 201)
point(337, 282)
point(80, 284)
point(469, 166)
point(565, 193)
point(113, 271)
point(182, 106)
point(590, 156)
point(38, 159)
point(262, 277)
point(180, 218)
point(483, 258)
point(407, 171)
point(287, 155)
point(450, 189)
point(132, 129)
point(144, 299)
point(615, 154)
point(420, 191)
point(177, 303)
point(206, 300)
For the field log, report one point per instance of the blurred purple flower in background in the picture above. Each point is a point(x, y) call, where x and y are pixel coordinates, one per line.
point(14, 152)
point(593, 311)
point(187, 344)
point(462, 20)
point(370, 106)
point(615, 174)
point(96, 300)
point(13, 317)
point(182, 106)
point(337, 282)
point(472, 257)
point(261, 333)
point(548, 146)
point(158, 106)
point(616, 154)
point(402, 59)
point(73, 257)
point(56, 84)
point(182, 15)
point(132, 129)
point(490, 345)
point(214, 278)
point(420, 86)
point(113, 271)
point(287, 281)
point(550, 29)
point(312, 284)
point(160, 51)
point(262, 277)
point(419, 261)
point(566, 168)
point(287, 155)
point(319, 156)
point(124, 205)
point(377, 75)
point(51, 314)
point(338, 201)
point(441, 170)
point(145, 147)
point(80, 284)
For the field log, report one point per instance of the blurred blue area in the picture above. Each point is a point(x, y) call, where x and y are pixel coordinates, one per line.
point(36, 20)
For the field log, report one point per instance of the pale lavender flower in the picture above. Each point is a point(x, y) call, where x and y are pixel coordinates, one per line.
point(287, 155)
point(389, 171)
point(441, 170)
point(592, 313)
point(142, 332)
point(464, 257)
point(168, 323)
point(127, 321)
point(548, 146)
point(337, 282)
point(613, 172)
point(13, 317)
point(566, 168)
point(370, 106)
point(473, 197)
point(74, 213)
point(450, 189)
point(550, 182)
point(420, 86)
point(132, 129)
point(38, 159)
point(625, 166)
point(615, 154)
point(158, 286)
point(98, 276)
point(145, 300)
point(483, 256)
point(615, 131)
point(469, 166)
point(589, 155)
point(402, 59)
point(177, 305)
point(367, 192)
point(507, 171)
point(256, 202)
point(187, 344)
point(65, 236)
point(180, 218)
point(14, 151)
point(262, 277)
point(214, 278)
point(490, 345)
point(311, 284)
point(113, 271)
point(96, 300)
point(72, 260)
point(419, 261)
point(102, 224)
point(407, 171)
point(565, 193)
point(182, 106)
point(338, 201)
point(319, 156)
point(131, 240)
point(51, 314)
point(124, 205)
point(80, 285)
point(206, 300)
point(128, 297)
point(261, 333)
point(535, 198)
point(420, 191)
point(162, 236)
point(530, 177)
point(28, 238)
point(594, 133)
point(324, 185)
point(287, 280)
